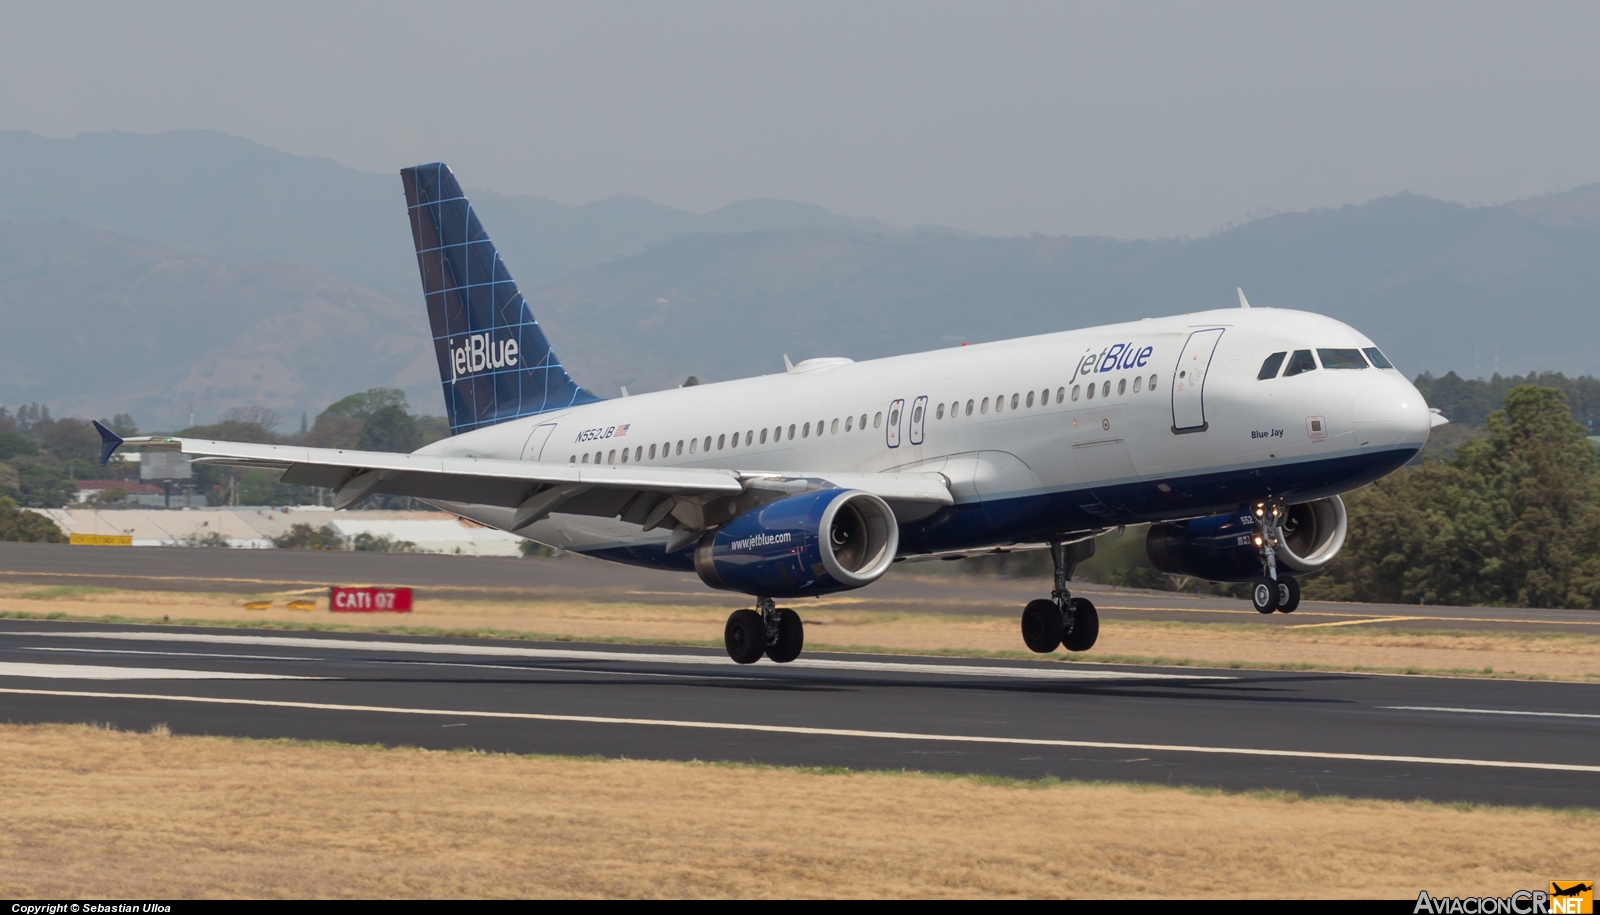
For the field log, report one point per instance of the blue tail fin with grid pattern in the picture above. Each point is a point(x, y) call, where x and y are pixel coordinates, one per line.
point(494, 360)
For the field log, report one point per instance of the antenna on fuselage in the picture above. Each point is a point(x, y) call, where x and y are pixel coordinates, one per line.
point(1243, 302)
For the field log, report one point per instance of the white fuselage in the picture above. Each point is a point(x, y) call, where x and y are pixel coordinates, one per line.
point(1027, 450)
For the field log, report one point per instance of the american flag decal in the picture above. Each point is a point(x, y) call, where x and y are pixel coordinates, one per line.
point(622, 430)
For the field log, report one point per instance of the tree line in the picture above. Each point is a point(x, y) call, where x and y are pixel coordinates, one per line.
point(43, 458)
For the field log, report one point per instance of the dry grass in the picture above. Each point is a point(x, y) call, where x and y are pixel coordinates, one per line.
point(102, 814)
point(848, 625)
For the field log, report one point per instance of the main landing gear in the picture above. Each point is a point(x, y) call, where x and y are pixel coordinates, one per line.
point(768, 630)
point(1062, 619)
point(1274, 591)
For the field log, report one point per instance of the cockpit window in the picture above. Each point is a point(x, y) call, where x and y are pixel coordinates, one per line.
point(1376, 357)
point(1269, 369)
point(1300, 362)
point(1341, 359)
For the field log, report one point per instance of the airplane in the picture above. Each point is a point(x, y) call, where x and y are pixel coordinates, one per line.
point(1230, 432)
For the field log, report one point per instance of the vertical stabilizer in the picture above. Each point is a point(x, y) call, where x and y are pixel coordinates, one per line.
point(494, 361)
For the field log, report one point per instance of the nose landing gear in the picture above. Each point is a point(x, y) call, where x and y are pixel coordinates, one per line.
point(1061, 619)
point(776, 632)
point(1275, 591)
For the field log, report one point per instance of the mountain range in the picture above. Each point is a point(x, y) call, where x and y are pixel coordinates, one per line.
point(142, 273)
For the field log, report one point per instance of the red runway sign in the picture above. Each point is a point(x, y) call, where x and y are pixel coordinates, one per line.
point(369, 600)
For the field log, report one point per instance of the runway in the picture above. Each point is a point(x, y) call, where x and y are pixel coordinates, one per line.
point(1514, 742)
point(908, 588)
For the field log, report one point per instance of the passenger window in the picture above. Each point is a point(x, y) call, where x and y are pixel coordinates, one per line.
point(1030, 399)
point(1299, 363)
point(680, 446)
point(1076, 390)
point(694, 445)
point(1015, 399)
point(849, 422)
point(791, 432)
point(624, 455)
point(1106, 391)
point(573, 459)
point(638, 454)
point(721, 440)
point(863, 422)
point(613, 458)
point(763, 435)
point(750, 437)
point(1269, 369)
point(940, 413)
point(894, 417)
point(985, 407)
point(1341, 359)
point(734, 440)
point(877, 420)
point(652, 452)
point(1379, 361)
point(833, 428)
point(1122, 386)
point(819, 427)
point(969, 408)
point(916, 414)
point(805, 431)
point(1152, 382)
point(1091, 392)
point(1061, 394)
point(1137, 380)
point(707, 445)
point(586, 458)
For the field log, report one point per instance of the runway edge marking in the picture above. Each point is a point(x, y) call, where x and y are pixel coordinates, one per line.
point(821, 732)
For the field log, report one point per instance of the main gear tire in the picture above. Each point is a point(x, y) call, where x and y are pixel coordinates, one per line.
point(791, 637)
point(745, 636)
point(1264, 595)
point(1085, 626)
point(1041, 626)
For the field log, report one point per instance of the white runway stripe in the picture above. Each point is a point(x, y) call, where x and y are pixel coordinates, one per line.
point(92, 672)
point(634, 657)
point(825, 732)
point(1484, 711)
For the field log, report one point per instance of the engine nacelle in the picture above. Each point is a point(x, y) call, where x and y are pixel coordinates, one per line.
point(812, 543)
point(1223, 548)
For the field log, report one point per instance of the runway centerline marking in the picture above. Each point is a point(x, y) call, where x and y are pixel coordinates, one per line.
point(102, 672)
point(822, 732)
point(968, 670)
point(1485, 711)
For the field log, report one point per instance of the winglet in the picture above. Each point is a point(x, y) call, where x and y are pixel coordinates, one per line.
point(787, 365)
point(109, 441)
point(1243, 302)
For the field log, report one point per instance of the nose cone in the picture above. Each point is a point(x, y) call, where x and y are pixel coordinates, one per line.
point(1391, 413)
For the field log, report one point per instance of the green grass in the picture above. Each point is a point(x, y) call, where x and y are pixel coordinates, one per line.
point(56, 591)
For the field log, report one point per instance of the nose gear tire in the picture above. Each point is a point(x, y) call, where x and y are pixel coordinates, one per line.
point(1264, 595)
point(1085, 626)
point(1041, 626)
point(791, 636)
point(745, 636)
point(1288, 593)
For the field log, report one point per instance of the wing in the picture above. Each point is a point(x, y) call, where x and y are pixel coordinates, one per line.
point(665, 497)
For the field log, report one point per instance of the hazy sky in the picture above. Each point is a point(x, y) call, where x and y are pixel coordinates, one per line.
point(1123, 119)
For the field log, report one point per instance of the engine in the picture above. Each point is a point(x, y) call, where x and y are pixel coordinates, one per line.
point(812, 543)
point(1223, 547)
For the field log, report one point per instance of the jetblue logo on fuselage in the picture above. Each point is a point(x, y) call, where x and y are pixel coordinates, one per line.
point(1112, 358)
point(480, 352)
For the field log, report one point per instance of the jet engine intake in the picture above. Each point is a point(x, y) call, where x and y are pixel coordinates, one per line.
point(811, 543)
point(1224, 548)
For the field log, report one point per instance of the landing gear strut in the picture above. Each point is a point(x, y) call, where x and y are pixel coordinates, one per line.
point(776, 632)
point(1062, 619)
point(1275, 591)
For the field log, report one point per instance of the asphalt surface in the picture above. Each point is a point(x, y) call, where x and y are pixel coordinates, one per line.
point(1316, 733)
point(909, 587)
